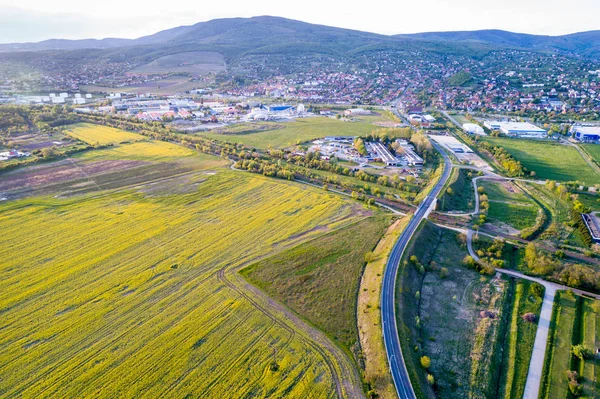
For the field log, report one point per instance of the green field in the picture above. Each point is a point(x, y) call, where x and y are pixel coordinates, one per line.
point(519, 341)
point(576, 320)
point(299, 131)
point(590, 337)
point(558, 356)
point(131, 290)
point(590, 200)
point(319, 279)
point(509, 205)
point(593, 150)
point(98, 134)
point(460, 118)
point(548, 160)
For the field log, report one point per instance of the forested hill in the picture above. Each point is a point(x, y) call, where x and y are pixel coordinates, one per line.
point(585, 44)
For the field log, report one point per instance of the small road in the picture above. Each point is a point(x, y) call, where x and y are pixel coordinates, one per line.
point(388, 294)
point(536, 365)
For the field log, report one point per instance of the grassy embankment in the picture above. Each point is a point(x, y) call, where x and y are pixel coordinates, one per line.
point(374, 359)
point(118, 292)
point(439, 309)
point(559, 231)
point(461, 196)
point(549, 160)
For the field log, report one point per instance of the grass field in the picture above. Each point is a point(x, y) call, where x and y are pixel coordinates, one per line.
point(519, 341)
point(98, 134)
point(132, 292)
point(590, 200)
point(509, 205)
point(299, 131)
point(576, 320)
point(460, 118)
point(319, 279)
point(549, 160)
point(558, 356)
point(590, 337)
point(593, 150)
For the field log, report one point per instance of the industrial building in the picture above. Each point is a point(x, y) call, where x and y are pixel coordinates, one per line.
point(356, 111)
point(409, 153)
point(516, 129)
point(586, 134)
point(473, 128)
point(593, 225)
point(385, 155)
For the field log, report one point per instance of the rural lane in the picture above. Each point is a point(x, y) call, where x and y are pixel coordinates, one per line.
point(391, 339)
point(536, 365)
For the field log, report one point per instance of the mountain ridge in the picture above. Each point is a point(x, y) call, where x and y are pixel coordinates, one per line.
point(235, 36)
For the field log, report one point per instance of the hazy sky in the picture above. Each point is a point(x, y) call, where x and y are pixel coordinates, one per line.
point(34, 20)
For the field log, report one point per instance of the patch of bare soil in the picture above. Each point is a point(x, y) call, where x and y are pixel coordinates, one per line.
point(59, 172)
point(510, 187)
point(503, 228)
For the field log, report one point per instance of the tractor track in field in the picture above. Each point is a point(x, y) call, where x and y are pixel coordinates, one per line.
point(346, 382)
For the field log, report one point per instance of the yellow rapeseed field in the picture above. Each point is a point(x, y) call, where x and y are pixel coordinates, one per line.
point(98, 134)
point(135, 293)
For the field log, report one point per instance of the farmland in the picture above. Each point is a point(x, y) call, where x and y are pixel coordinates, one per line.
point(98, 134)
point(319, 279)
point(548, 160)
point(131, 287)
point(195, 63)
point(166, 86)
point(299, 131)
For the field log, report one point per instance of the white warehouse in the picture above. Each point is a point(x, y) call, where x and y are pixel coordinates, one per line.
point(516, 129)
point(473, 128)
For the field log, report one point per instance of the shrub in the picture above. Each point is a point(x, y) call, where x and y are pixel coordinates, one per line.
point(430, 379)
point(581, 352)
point(425, 362)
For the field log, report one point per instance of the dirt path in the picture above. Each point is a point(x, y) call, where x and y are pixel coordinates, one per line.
point(346, 380)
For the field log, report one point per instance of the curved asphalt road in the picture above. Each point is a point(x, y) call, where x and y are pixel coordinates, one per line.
point(388, 310)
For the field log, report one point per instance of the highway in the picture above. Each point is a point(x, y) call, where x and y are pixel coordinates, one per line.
point(388, 294)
